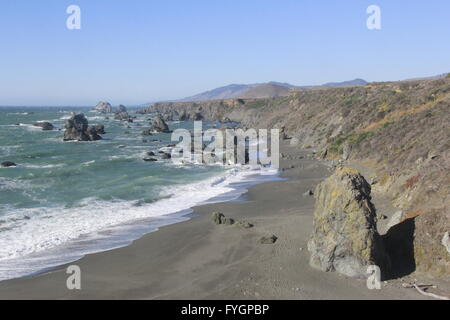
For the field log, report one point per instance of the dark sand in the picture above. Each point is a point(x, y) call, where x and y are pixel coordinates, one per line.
point(199, 260)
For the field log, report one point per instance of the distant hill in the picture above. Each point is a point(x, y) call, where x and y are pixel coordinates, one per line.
point(261, 90)
point(355, 82)
point(227, 92)
point(271, 89)
point(267, 90)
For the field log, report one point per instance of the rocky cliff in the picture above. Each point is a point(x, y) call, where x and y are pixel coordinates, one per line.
point(399, 129)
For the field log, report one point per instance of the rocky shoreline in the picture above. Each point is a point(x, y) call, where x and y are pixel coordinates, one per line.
point(215, 258)
point(398, 129)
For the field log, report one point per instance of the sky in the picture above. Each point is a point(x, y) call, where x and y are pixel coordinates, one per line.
point(137, 51)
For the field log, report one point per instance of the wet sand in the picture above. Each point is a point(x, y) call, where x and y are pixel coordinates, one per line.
point(197, 259)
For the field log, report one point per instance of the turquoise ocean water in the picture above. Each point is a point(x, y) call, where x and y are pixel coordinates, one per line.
point(67, 199)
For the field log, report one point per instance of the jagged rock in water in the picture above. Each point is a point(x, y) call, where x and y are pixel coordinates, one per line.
point(166, 156)
point(78, 129)
point(46, 126)
point(345, 237)
point(122, 108)
point(99, 128)
point(93, 134)
point(159, 125)
point(103, 107)
point(7, 164)
point(123, 116)
point(147, 132)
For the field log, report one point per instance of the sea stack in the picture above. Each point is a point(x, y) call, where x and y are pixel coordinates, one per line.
point(103, 107)
point(159, 125)
point(345, 237)
point(78, 129)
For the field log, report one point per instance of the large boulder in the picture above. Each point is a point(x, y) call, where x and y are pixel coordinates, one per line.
point(159, 125)
point(45, 125)
point(78, 129)
point(103, 107)
point(345, 237)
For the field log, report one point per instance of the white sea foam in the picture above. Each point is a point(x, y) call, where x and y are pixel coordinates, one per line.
point(46, 229)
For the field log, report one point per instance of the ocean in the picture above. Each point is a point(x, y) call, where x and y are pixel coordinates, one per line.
point(68, 199)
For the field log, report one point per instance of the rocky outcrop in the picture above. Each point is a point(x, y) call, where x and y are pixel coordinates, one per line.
point(78, 129)
point(159, 125)
point(123, 116)
point(122, 108)
point(45, 125)
point(103, 107)
point(7, 164)
point(345, 237)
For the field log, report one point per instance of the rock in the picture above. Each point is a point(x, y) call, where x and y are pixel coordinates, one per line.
point(46, 126)
point(99, 128)
point(219, 218)
point(147, 132)
point(166, 156)
point(345, 237)
point(78, 129)
point(151, 153)
point(122, 109)
point(382, 217)
point(103, 107)
point(150, 159)
point(244, 224)
point(446, 241)
point(308, 193)
point(93, 134)
point(159, 125)
point(7, 164)
point(268, 239)
point(123, 116)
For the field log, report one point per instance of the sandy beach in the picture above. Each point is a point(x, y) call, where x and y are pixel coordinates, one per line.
point(197, 259)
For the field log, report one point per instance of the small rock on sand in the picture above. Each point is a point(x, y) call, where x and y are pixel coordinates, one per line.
point(268, 239)
point(244, 224)
point(219, 218)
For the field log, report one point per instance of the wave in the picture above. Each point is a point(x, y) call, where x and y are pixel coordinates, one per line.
point(49, 236)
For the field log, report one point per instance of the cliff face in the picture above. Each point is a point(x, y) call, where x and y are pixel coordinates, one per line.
point(400, 129)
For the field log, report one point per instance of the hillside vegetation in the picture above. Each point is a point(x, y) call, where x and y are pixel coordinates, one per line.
point(400, 129)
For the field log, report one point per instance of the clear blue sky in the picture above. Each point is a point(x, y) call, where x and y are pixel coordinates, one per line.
point(136, 51)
